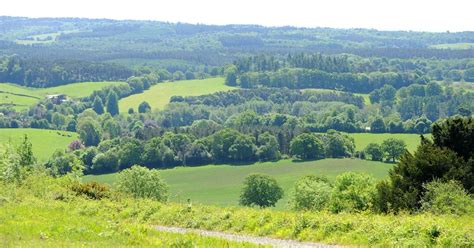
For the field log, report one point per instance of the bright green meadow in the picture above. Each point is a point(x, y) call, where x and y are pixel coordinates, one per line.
point(159, 95)
point(20, 97)
point(44, 142)
point(221, 184)
point(363, 139)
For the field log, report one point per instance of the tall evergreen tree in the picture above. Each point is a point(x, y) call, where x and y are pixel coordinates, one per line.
point(98, 106)
point(25, 152)
point(112, 104)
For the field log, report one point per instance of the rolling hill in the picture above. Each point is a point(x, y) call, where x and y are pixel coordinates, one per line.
point(221, 184)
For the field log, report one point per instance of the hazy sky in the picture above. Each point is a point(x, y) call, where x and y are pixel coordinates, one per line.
point(425, 15)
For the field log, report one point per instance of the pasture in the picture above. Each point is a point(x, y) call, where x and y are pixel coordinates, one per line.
point(45, 142)
point(221, 184)
point(363, 139)
point(20, 97)
point(158, 96)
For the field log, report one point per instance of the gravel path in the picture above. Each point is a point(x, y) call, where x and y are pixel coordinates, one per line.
point(245, 238)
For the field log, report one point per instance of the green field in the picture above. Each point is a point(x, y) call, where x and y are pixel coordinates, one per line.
point(455, 46)
point(45, 142)
point(221, 184)
point(23, 97)
point(363, 139)
point(159, 95)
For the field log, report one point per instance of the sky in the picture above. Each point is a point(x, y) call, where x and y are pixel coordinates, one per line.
point(415, 15)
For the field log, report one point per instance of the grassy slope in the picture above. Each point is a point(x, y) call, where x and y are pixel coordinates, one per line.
point(33, 95)
point(44, 212)
point(352, 229)
point(44, 142)
point(363, 139)
point(159, 95)
point(31, 217)
point(221, 184)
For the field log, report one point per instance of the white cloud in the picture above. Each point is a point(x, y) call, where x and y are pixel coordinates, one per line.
point(434, 15)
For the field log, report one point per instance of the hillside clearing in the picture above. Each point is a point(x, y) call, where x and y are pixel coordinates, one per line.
point(20, 97)
point(363, 139)
point(454, 46)
point(158, 96)
point(45, 142)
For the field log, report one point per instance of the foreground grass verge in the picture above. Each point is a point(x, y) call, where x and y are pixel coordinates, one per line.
point(43, 212)
point(35, 216)
point(421, 230)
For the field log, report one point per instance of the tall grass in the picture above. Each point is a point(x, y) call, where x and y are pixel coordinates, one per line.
point(43, 211)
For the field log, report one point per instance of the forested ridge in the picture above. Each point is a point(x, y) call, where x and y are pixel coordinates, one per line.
point(200, 49)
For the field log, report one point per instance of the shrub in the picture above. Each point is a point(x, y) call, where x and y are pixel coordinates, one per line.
point(446, 198)
point(141, 182)
point(311, 193)
point(260, 190)
point(92, 190)
point(75, 145)
point(352, 192)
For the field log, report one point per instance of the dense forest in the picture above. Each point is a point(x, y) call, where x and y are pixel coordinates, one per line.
point(397, 58)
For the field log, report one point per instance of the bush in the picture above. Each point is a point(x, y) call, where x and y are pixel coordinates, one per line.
point(311, 193)
point(93, 190)
point(141, 182)
point(352, 192)
point(260, 190)
point(446, 198)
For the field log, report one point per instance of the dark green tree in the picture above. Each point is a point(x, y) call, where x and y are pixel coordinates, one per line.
point(378, 126)
point(456, 134)
point(374, 151)
point(307, 146)
point(405, 188)
point(98, 106)
point(230, 73)
point(89, 131)
point(112, 104)
point(268, 149)
point(393, 148)
point(242, 149)
point(144, 107)
point(260, 190)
